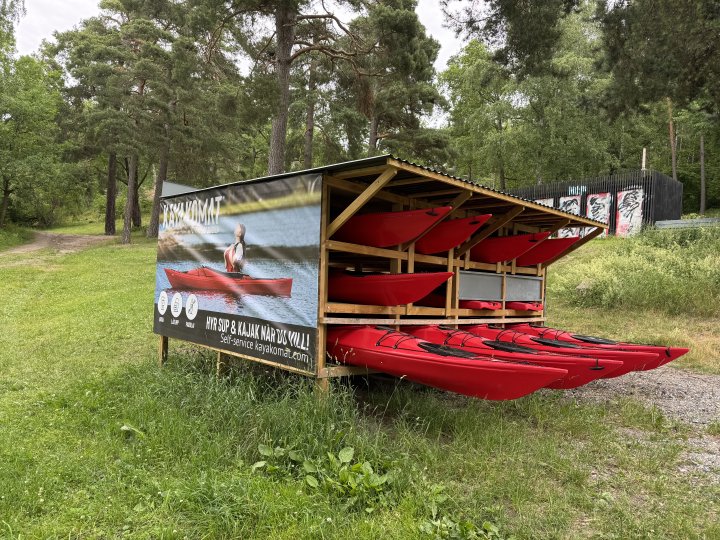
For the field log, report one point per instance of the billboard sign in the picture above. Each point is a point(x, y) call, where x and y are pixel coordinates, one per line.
point(237, 269)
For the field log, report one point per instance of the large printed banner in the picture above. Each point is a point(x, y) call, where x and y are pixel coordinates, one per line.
point(237, 269)
point(629, 215)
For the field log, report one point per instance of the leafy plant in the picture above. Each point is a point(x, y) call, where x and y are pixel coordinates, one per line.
point(441, 526)
point(358, 484)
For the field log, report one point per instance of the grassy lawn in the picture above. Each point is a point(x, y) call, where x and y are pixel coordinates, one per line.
point(99, 442)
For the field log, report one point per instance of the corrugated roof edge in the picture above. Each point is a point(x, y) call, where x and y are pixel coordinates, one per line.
point(379, 160)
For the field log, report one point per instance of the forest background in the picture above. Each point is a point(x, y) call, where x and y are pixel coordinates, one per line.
point(205, 92)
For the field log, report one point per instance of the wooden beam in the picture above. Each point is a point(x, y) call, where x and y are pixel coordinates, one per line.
point(345, 371)
point(437, 193)
point(410, 181)
point(358, 187)
point(420, 171)
point(585, 239)
point(490, 227)
point(559, 225)
point(361, 200)
point(346, 247)
point(357, 173)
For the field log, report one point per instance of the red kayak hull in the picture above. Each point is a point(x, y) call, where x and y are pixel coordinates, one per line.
point(383, 289)
point(666, 354)
point(505, 248)
point(632, 361)
point(212, 280)
point(580, 370)
point(438, 300)
point(450, 234)
point(546, 250)
point(524, 306)
point(402, 355)
point(385, 229)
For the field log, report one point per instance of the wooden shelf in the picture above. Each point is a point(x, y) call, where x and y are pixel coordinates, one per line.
point(414, 322)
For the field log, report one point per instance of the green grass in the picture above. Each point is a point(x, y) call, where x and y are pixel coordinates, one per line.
point(12, 235)
point(99, 442)
point(660, 287)
point(92, 225)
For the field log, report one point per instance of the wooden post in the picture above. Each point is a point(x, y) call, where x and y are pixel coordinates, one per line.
point(220, 366)
point(321, 383)
point(163, 350)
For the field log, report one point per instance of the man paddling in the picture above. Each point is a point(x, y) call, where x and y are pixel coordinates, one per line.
point(235, 252)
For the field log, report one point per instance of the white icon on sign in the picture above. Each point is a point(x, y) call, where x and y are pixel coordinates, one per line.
point(162, 303)
point(191, 307)
point(176, 305)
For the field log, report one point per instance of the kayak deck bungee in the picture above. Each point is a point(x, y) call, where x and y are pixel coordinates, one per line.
point(449, 234)
point(666, 354)
point(546, 250)
point(385, 229)
point(404, 355)
point(505, 248)
point(632, 361)
point(237, 283)
point(438, 300)
point(580, 370)
point(383, 289)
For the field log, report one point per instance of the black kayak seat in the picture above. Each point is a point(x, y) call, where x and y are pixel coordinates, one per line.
point(556, 343)
point(444, 350)
point(509, 347)
point(593, 339)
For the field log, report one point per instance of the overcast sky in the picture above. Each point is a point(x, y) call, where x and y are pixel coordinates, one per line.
point(45, 16)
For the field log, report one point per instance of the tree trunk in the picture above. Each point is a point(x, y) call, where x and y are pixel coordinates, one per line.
point(501, 176)
point(310, 117)
point(5, 200)
point(373, 140)
point(673, 146)
point(154, 225)
point(702, 175)
point(127, 218)
point(285, 18)
point(111, 195)
point(136, 213)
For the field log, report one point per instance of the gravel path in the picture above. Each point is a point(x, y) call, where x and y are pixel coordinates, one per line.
point(693, 398)
point(64, 243)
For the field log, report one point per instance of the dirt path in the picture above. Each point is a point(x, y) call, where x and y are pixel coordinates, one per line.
point(64, 243)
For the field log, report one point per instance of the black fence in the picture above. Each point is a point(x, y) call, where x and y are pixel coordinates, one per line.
point(626, 201)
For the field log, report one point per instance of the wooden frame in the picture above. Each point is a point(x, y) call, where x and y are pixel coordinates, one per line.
point(403, 185)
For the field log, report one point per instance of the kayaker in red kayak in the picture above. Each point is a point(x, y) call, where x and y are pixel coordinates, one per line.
point(235, 252)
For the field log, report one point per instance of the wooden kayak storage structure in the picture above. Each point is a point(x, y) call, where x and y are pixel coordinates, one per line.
point(333, 195)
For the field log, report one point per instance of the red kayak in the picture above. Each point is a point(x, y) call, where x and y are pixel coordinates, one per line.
point(450, 234)
point(383, 289)
point(230, 282)
point(524, 306)
point(546, 250)
point(438, 300)
point(580, 370)
point(384, 229)
point(505, 248)
point(403, 355)
point(666, 354)
point(632, 361)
